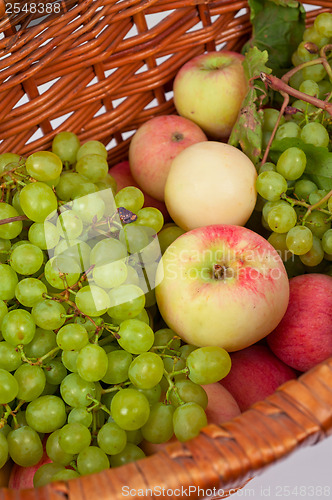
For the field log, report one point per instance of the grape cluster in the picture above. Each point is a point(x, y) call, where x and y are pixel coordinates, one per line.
point(81, 366)
point(296, 209)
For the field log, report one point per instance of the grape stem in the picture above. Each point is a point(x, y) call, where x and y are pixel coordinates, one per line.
point(116, 387)
point(171, 384)
point(8, 220)
point(310, 208)
point(36, 361)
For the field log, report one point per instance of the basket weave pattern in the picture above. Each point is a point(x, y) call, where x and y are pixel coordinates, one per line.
point(104, 68)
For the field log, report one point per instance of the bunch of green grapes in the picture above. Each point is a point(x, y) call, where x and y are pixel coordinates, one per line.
point(81, 367)
point(294, 208)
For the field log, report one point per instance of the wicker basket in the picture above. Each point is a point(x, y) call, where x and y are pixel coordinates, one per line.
point(104, 68)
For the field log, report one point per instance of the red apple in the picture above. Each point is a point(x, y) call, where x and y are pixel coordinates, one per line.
point(255, 374)
point(303, 337)
point(122, 175)
point(221, 285)
point(221, 404)
point(209, 90)
point(153, 147)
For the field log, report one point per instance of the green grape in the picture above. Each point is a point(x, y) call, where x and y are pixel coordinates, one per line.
point(43, 342)
point(315, 254)
point(315, 73)
point(106, 251)
point(11, 229)
point(55, 371)
point(267, 167)
point(54, 450)
point(31, 381)
point(117, 367)
point(278, 241)
point(48, 314)
point(5, 246)
point(10, 359)
point(24, 446)
point(185, 350)
point(38, 201)
point(20, 419)
point(309, 87)
point(8, 387)
point(68, 184)
point(167, 235)
point(208, 365)
point(77, 250)
point(46, 414)
point(325, 87)
point(159, 426)
point(69, 360)
point(92, 166)
point(296, 79)
point(44, 235)
point(150, 217)
point(110, 275)
point(130, 453)
point(92, 363)
point(89, 208)
point(45, 473)
point(311, 35)
point(299, 240)
point(91, 147)
point(16, 203)
point(329, 204)
point(72, 337)
point(80, 415)
point(303, 108)
point(74, 390)
point(323, 24)
point(304, 54)
point(135, 238)
point(317, 196)
point(18, 327)
point(327, 241)
point(66, 145)
point(318, 223)
point(152, 395)
point(130, 409)
point(69, 225)
point(175, 364)
point(270, 117)
point(65, 475)
point(166, 336)
point(3, 311)
point(126, 302)
point(188, 420)
point(29, 291)
point(74, 438)
point(8, 282)
point(26, 259)
point(146, 370)
point(84, 190)
point(4, 450)
point(188, 392)
point(92, 460)
point(316, 134)
point(271, 185)
point(281, 218)
point(43, 166)
point(135, 336)
point(92, 301)
point(303, 188)
point(130, 197)
point(108, 182)
point(291, 163)
point(286, 130)
point(8, 161)
point(111, 438)
point(134, 437)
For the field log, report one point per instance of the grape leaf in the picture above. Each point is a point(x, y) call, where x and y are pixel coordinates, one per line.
point(247, 131)
point(319, 160)
point(278, 27)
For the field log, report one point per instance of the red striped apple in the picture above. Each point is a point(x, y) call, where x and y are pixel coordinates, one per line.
point(209, 90)
point(222, 285)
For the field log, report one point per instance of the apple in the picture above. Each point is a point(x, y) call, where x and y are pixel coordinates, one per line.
point(209, 90)
point(211, 183)
point(22, 477)
point(122, 175)
point(153, 147)
point(256, 373)
point(303, 338)
point(221, 285)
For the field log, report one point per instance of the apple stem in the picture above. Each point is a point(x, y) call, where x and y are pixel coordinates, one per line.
point(219, 271)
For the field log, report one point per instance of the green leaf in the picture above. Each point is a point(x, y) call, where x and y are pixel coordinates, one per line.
point(319, 160)
point(247, 131)
point(278, 27)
